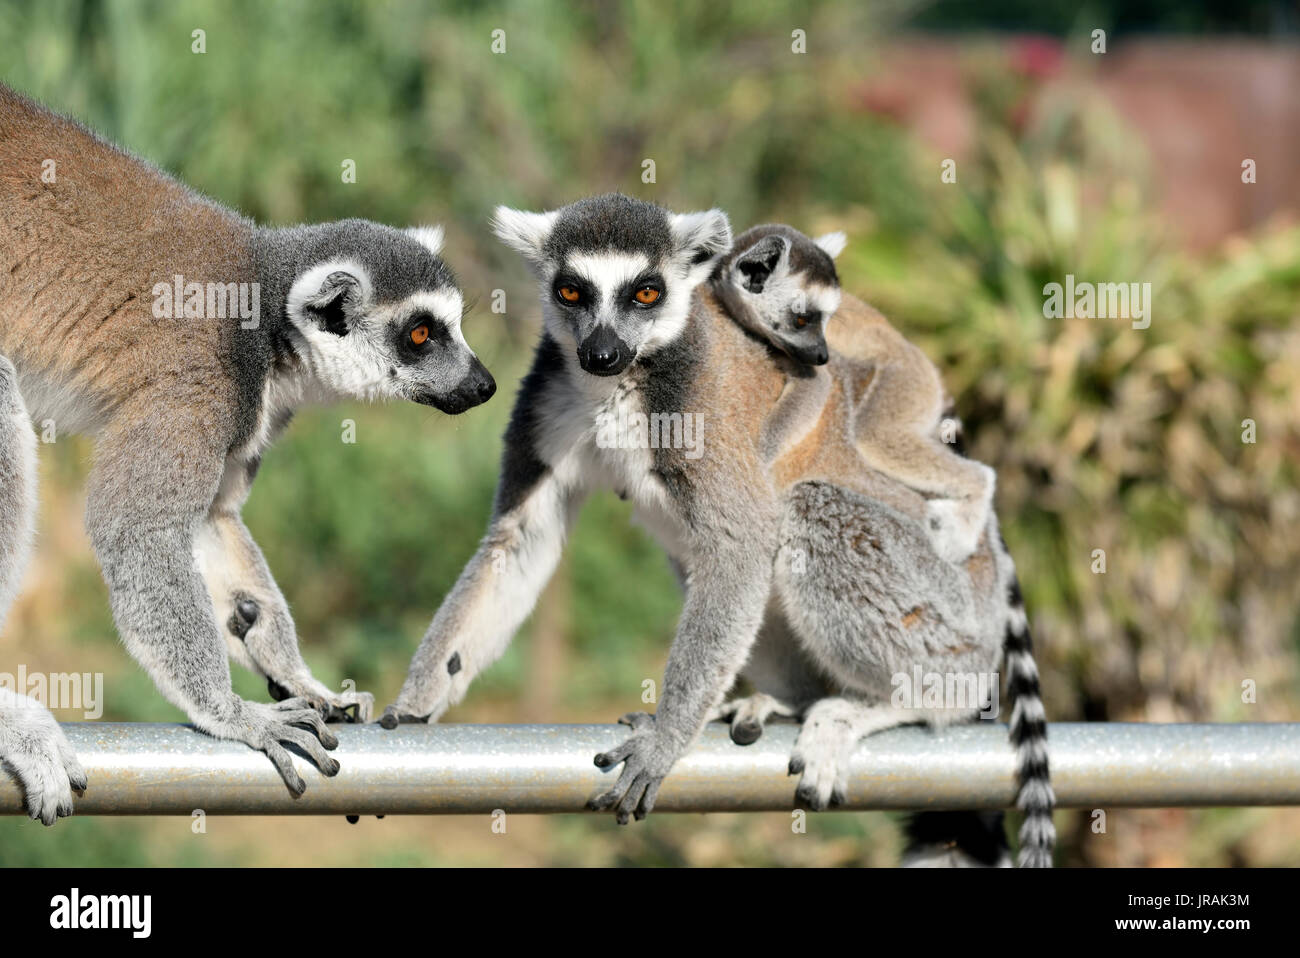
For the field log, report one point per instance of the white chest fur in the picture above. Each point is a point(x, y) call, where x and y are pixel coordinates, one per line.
point(591, 440)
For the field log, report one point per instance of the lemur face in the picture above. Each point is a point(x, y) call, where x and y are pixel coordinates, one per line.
point(616, 273)
point(388, 326)
point(783, 286)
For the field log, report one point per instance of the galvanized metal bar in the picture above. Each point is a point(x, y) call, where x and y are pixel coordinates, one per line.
point(461, 769)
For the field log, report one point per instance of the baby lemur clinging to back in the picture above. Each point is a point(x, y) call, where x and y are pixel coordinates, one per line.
point(782, 286)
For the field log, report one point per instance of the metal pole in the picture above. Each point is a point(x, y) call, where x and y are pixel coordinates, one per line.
point(462, 769)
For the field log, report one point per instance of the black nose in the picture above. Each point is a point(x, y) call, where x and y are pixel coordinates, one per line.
point(600, 360)
point(603, 353)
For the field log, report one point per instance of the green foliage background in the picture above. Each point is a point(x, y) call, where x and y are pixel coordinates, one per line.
point(1104, 437)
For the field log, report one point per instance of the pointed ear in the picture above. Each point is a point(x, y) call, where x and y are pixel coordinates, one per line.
point(526, 233)
point(760, 260)
point(330, 296)
point(430, 237)
point(705, 235)
point(832, 243)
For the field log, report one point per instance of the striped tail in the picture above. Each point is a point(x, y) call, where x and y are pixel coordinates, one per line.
point(1029, 735)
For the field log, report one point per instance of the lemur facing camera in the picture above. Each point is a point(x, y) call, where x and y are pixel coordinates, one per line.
point(782, 285)
point(803, 568)
point(182, 336)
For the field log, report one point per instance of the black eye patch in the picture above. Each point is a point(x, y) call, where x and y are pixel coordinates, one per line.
point(627, 292)
point(571, 281)
point(421, 333)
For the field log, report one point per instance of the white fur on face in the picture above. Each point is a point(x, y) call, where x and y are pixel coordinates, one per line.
point(310, 283)
point(344, 365)
point(609, 272)
point(430, 237)
point(824, 299)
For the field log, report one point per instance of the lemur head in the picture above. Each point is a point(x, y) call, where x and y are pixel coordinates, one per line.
point(782, 285)
point(616, 273)
point(377, 314)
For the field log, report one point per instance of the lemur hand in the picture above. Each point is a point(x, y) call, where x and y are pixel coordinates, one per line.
point(647, 759)
point(292, 721)
point(334, 706)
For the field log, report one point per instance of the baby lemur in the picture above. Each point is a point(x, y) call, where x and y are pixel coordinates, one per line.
point(182, 336)
point(782, 286)
point(801, 565)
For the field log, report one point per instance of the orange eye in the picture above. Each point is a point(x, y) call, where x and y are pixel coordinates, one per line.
point(420, 335)
point(569, 294)
point(647, 295)
point(801, 321)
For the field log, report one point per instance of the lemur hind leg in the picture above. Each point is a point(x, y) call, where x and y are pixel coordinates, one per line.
point(251, 611)
point(894, 430)
point(32, 746)
point(873, 602)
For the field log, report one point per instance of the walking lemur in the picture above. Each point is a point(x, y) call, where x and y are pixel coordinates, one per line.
point(182, 336)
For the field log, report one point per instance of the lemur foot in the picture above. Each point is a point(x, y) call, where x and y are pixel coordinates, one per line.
point(822, 753)
point(955, 527)
point(748, 715)
point(333, 706)
point(294, 722)
point(647, 759)
point(35, 750)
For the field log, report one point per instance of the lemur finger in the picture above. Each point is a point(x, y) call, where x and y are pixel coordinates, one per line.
point(304, 740)
point(615, 755)
point(279, 757)
point(648, 799)
point(614, 795)
point(76, 774)
point(393, 718)
point(311, 719)
point(631, 800)
point(636, 719)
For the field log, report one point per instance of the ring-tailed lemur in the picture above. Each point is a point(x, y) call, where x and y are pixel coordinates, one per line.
point(782, 285)
point(182, 336)
point(789, 545)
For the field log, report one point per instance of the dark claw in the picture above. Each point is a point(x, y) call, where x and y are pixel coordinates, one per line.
point(353, 819)
point(747, 732)
point(604, 761)
point(808, 797)
point(393, 718)
point(796, 766)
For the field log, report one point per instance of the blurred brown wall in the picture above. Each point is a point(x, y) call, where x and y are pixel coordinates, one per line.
point(1200, 107)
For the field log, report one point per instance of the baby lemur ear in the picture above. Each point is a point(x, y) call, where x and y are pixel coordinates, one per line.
point(757, 264)
point(526, 233)
point(832, 243)
point(705, 235)
point(332, 297)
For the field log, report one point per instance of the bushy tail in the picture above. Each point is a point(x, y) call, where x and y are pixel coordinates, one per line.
point(1029, 735)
